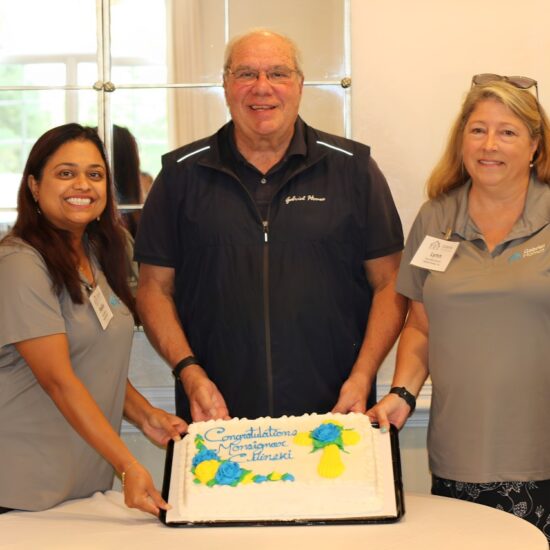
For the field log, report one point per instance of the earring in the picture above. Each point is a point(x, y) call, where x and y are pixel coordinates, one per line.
point(531, 164)
point(38, 211)
point(98, 218)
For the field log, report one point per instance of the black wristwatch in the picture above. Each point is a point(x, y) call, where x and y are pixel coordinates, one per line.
point(189, 360)
point(405, 394)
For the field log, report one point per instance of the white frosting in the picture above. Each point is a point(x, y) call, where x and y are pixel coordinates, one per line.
point(284, 448)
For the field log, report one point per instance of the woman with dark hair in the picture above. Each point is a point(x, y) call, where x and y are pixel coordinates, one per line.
point(66, 326)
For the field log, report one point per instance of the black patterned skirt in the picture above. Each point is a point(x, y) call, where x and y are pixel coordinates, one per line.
point(529, 500)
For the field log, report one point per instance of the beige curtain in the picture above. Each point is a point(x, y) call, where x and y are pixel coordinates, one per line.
point(193, 112)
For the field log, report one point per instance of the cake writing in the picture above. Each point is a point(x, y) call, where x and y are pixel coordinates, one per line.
point(252, 445)
point(209, 469)
point(330, 438)
point(218, 434)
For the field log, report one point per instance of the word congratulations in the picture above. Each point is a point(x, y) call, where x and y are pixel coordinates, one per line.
point(218, 434)
point(252, 445)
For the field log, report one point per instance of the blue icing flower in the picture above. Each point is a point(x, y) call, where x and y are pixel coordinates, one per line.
point(326, 432)
point(228, 473)
point(259, 478)
point(205, 454)
point(287, 477)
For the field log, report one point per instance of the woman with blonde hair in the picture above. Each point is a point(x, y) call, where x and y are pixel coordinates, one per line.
point(477, 270)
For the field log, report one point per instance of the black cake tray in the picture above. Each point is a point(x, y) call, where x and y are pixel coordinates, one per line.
point(398, 487)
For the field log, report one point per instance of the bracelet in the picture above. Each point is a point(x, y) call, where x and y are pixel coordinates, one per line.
point(123, 474)
point(405, 394)
point(189, 360)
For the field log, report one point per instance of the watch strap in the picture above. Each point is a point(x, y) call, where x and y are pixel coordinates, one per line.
point(405, 394)
point(185, 362)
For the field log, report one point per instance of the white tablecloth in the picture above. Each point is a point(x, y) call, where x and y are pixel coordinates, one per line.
point(103, 522)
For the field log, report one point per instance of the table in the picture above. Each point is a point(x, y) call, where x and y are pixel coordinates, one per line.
point(102, 522)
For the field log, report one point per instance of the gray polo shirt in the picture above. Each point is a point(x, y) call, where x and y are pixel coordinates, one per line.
point(43, 461)
point(489, 342)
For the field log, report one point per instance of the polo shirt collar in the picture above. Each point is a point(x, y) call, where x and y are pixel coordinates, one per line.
point(297, 145)
point(535, 216)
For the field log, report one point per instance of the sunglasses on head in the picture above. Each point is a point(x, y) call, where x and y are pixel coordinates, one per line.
point(522, 82)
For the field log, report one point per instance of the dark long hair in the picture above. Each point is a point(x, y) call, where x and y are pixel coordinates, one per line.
point(126, 173)
point(106, 238)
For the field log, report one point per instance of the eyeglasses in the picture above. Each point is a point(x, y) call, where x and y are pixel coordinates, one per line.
point(276, 75)
point(522, 82)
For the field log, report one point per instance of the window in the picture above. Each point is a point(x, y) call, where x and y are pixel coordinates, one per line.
point(150, 66)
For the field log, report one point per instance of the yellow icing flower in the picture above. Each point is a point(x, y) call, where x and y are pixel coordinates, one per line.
point(274, 476)
point(206, 470)
point(248, 478)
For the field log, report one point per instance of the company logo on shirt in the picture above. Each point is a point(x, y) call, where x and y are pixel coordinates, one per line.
point(527, 252)
point(114, 300)
point(304, 198)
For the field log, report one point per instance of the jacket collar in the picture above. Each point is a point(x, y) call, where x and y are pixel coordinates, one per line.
point(305, 144)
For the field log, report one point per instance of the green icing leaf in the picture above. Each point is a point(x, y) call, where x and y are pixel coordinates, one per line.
point(318, 445)
point(243, 474)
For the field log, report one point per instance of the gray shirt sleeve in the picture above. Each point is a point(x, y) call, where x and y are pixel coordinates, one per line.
point(29, 308)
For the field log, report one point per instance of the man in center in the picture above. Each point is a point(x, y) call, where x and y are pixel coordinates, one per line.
point(268, 255)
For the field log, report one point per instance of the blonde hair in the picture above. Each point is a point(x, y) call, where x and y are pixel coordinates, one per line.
point(450, 173)
point(295, 52)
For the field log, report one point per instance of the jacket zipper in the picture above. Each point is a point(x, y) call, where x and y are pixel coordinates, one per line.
point(267, 322)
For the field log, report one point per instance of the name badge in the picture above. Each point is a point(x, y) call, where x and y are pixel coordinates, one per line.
point(434, 254)
point(101, 307)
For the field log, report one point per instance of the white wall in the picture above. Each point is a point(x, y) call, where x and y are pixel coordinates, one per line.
point(412, 62)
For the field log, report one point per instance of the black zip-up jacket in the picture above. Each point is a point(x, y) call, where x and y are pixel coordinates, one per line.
point(275, 311)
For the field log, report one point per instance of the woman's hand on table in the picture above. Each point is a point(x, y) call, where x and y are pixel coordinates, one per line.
point(140, 492)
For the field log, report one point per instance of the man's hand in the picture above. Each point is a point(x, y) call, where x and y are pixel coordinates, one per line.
point(205, 400)
point(353, 394)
